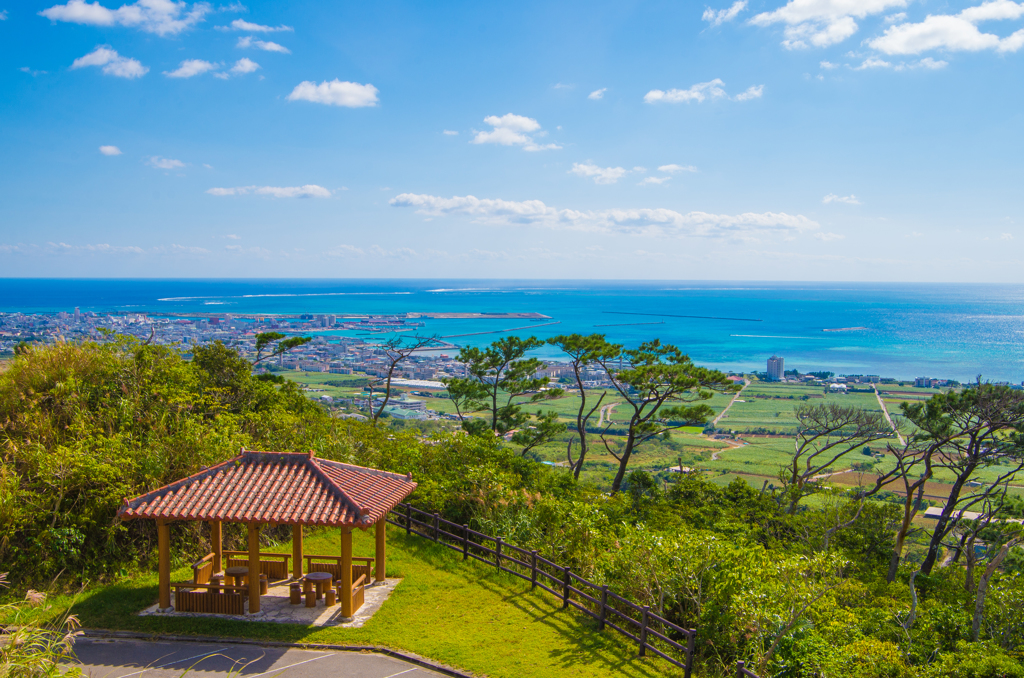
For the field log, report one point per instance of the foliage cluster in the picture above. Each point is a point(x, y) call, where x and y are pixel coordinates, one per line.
point(793, 590)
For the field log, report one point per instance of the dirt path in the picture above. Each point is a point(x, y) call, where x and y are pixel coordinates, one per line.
point(885, 411)
point(605, 414)
point(738, 394)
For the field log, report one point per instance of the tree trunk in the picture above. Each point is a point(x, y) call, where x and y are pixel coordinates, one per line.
point(894, 563)
point(942, 527)
point(979, 601)
point(623, 463)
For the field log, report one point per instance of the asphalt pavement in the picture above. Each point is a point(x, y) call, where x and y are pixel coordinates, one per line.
point(118, 658)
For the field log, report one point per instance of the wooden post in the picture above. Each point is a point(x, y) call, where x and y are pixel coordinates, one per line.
point(297, 551)
point(533, 569)
point(408, 519)
point(739, 669)
point(345, 583)
point(163, 540)
point(465, 542)
point(690, 642)
point(217, 545)
point(497, 552)
point(604, 608)
point(643, 631)
point(436, 517)
point(565, 588)
point(380, 533)
point(254, 568)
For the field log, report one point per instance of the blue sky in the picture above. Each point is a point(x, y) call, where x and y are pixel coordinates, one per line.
point(770, 140)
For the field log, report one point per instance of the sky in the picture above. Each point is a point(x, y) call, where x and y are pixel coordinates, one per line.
point(862, 140)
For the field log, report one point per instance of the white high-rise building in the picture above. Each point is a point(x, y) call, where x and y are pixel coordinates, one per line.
point(776, 368)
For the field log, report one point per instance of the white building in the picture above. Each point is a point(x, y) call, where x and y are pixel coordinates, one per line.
point(776, 368)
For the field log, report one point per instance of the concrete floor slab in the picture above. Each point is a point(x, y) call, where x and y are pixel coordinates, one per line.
point(276, 607)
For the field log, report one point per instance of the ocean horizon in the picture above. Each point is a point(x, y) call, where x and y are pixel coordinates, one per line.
point(903, 330)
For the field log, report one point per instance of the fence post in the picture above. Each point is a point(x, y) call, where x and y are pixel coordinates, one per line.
point(465, 542)
point(739, 669)
point(408, 519)
point(435, 526)
point(643, 631)
point(533, 570)
point(497, 552)
point(565, 588)
point(604, 608)
point(690, 642)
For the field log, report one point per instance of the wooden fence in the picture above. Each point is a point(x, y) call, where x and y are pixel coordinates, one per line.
point(742, 672)
point(649, 631)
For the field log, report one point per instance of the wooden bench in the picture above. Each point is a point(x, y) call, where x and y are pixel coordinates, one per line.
point(332, 564)
point(358, 597)
point(192, 597)
point(202, 569)
point(274, 565)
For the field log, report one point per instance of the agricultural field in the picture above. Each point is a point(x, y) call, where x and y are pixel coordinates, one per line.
point(768, 408)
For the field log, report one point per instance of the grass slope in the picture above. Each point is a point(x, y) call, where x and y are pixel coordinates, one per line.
point(460, 613)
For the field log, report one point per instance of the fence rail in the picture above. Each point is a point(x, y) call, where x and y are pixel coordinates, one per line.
point(742, 672)
point(674, 643)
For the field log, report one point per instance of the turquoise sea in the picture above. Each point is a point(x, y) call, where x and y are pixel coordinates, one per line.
point(955, 331)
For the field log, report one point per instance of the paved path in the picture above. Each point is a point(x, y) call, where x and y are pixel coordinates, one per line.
point(738, 394)
point(885, 411)
point(108, 658)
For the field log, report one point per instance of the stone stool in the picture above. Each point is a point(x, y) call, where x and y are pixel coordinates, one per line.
point(295, 593)
point(264, 585)
point(329, 600)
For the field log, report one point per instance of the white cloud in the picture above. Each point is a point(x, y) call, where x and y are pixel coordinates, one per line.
point(513, 130)
point(895, 18)
point(954, 32)
point(601, 175)
point(672, 169)
point(720, 16)
point(1006, 236)
point(753, 92)
point(110, 150)
point(267, 46)
point(828, 65)
point(654, 180)
point(232, 236)
point(163, 17)
point(657, 221)
point(243, 66)
point(165, 163)
point(112, 63)
point(640, 170)
point(700, 93)
point(597, 94)
point(243, 25)
point(822, 22)
point(847, 199)
point(873, 62)
point(192, 67)
point(3, 15)
point(451, 133)
point(307, 191)
point(828, 237)
point(335, 93)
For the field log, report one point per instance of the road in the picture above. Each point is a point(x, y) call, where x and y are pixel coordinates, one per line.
point(885, 411)
point(110, 658)
point(734, 398)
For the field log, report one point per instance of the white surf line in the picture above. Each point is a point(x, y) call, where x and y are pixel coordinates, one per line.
point(176, 661)
point(284, 668)
point(885, 411)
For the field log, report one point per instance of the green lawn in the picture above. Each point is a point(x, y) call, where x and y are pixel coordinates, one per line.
point(459, 613)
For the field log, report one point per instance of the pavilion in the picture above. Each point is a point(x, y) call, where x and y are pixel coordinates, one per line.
point(274, 488)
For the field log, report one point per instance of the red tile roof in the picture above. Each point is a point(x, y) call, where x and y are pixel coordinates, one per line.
point(277, 487)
